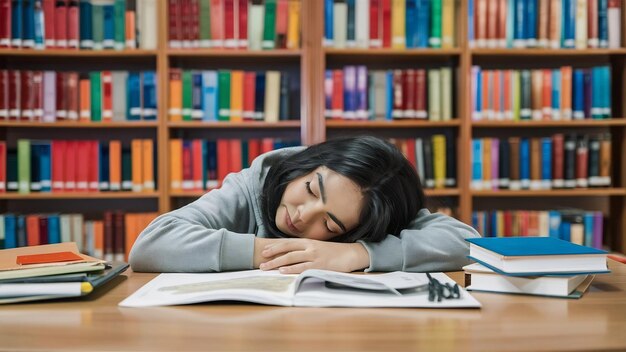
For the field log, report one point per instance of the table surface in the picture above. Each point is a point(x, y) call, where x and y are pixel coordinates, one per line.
point(505, 322)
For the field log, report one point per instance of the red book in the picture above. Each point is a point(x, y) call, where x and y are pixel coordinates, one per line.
point(5, 25)
point(94, 166)
point(506, 91)
point(174, 24)
point(267, 145)
point(3, 169)
point(187, 166)
point(592, 23)
point(281, 24)
point(397, 108)
point(420, 94)
point(72, 24)
point(61, 84)
point(118, 236)
point(223, 154)
point(495, 87)
point(508, 223)
point(254, 150)
point(375, 39)
point(229, 24)
point(242, 34)
point(73, 101)
point(185, 23)
point(82, 166)
point(492, 24)
point(71, 160)
point(43, 230)
point(26, 96)
point(15, 81)
point(32, 230)
point(235, 162)
point(37, 95)
point(547, 95)
point(409, 96)
point(249, 95)
point(194, 33)
point(386, 23)
point(4, 94)
point(557, 160)
point(107, 96)
point(410, 152)
point(337, 100)
point(582, 165)
point(49, 12)
point(197, 164)
point(502, 13)
point(217, 24)
point(59, 154)
point(60, 22)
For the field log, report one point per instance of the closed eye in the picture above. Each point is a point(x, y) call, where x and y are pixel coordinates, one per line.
point(308, 188)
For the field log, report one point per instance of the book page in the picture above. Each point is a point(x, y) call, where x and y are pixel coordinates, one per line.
point(391, 282)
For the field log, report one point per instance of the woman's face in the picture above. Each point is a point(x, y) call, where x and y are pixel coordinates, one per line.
point(320, 205)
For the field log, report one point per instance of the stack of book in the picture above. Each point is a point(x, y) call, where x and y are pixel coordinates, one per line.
point(542, 266)
point(51, 272)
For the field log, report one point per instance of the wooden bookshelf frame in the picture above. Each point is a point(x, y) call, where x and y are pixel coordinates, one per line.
point(313, 60)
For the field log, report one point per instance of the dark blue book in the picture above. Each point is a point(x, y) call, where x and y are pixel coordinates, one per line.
point(133, 96)
point(109, 26)
point(54, 229)
point(423, 22)
point(259, 96)
point(20, 231)
point(328, 23)
point(389, 93)
point(504, 167)
point(603, 24)
point(532, 256)
point(28, 22)
point(530, 27)
point(411, 32)
point(35, 166)
point(578, 101)
point(524, 163)
point(197, 112)
point(12, 184)
point(10, 231)
point(351, 24)
point(519, 32)
point(85, 24)
point(569, 24)
point(104, 174)
point(283, 110)
point(588, 88)
point(17, 19)
point(45, 166)
point(149, 108)
point(211, 164)
point(546, 162)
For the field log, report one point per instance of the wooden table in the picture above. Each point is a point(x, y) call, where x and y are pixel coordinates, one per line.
point(505, 322)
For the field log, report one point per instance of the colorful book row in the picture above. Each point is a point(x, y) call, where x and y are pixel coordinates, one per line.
point(543, 94)
point(234, 24)
point(77, 166)
point(434, 158)
point(200, 164)
point(110, 238)
point(74, 24)
point(355, 93)
point(585, 228)
point(555, 24)
point(394, 24)
point(560, 161)
point(233, 96)
point(50, 96)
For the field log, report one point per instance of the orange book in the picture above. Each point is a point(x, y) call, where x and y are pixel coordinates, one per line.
point(236, 96)
point(293, 25)
point(131, 230)
point(85, 99)
point(137, 164)
point(487, 163)
point(502, 13)
point(481, 23)
point(147, 155)
point(547, 95)
point(176, 164)
point(544, 14)
point(115, 165)
point(566, 92)
point(492, 23)
point(98, 239)
point(176, 95)
point(32, 230)
point(508, 98)
point(131, 41)
point(536, 94)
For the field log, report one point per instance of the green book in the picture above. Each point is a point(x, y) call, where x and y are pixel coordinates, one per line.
point(23, 166)
point(127, 171)
point(223, 93)
point(205, 24)
point(120, 24)
point(515, 95)
point(97, 18)
point(434, 95)
point(96, 96)
point(187, 97)
point(269, 28)
point(435, 24)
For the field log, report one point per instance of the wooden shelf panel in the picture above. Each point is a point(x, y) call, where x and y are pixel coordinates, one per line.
point(586, 192)
point(546, 52)
point(234, 125)
point(72, 124)
point(393, 52)
point(78, 195)
point(444, 192)
point(391, 123)
point(572, 123)
point(234, 53)
point(78, 53)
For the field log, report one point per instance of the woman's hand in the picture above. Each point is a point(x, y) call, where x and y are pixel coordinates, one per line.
point(293, 256)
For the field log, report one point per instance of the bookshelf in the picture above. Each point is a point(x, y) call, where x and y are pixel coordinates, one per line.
point(310, 62)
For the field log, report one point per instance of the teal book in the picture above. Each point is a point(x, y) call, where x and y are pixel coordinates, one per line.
point(120, 24)
point(529, 256)
point(223, 95)
point(96, 96)
point(97, 26)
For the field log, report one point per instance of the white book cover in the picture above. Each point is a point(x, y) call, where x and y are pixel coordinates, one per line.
point(119, 95)
point(272, 95)
point(340, 24)
point(362, 25)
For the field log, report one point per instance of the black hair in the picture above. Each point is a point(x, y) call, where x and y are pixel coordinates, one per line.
point(391, 188)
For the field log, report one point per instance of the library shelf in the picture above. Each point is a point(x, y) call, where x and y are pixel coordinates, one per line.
point(443, 192)
point(330, 123)
point(550, 123)
point(546, 52)
point(392, 52)
point(78, 53)
point(278, 53)
point(78, 195)
point(78, 124)
point(235, 125)
point(575, 192)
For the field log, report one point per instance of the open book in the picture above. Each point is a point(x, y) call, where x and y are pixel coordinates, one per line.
point(312, 288)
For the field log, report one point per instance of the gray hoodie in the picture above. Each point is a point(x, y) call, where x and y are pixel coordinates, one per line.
point(216, 232)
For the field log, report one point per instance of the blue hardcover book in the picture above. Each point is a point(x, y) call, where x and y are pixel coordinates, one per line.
point(524, 163)
point(149, 108)
point(35, 167)
point(108, 14)
point(510, 23)
point(20, 231)
point(578, 101)
point(565, 231)
point(568, 23)
point(28, 22)
point(423, 23)
point(530, 27)
point(606, 94)
point(546, 163)
point(554, 223)
point(17, 18)
point(133, 94)
point(556, 94)
point(38, 25)
point(351, 24)
point(54, 229)
point(349, 92)
point(470, 23)
point(588, 92)
point(588, 228)
point(529, 256)
point(411, 32)
point(478, 98)
point(104, 173)
point(493, 226)
point(259, 96)
point(45, 166)
point(603, 24)
point(519, 33)
point(10, 231)
point(597, 101)
point(389, 93)
point(86, 26)
point(209, 95)
point(477, 163)
point(211, 164)
point(197, 112)
point(328, 23)
point(371, 97)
